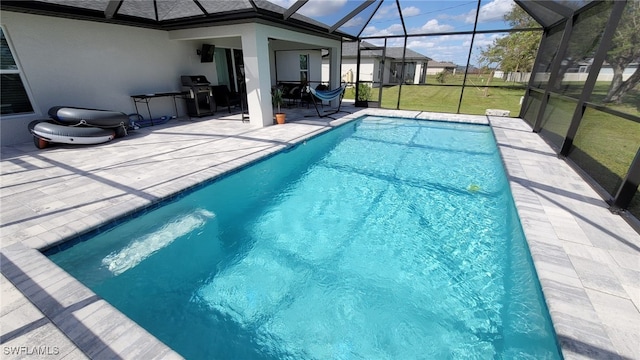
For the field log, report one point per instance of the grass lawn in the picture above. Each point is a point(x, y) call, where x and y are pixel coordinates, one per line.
point(475, 101)
point(604, 147)
point(630, 102)
point(445, 98)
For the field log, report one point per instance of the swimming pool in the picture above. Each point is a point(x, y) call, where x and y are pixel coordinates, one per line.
point(384, 238)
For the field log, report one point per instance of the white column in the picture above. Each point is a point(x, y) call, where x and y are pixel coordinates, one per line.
point(335, 53)
point(416, 75)
point(255, 48)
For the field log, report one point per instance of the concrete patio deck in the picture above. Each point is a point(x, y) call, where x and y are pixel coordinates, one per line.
point(587, 259)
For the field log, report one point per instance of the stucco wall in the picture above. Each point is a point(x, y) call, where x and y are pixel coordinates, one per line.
point(288, 65)
point(368, 69)
point(434, 70)
point(95, 65)
point(259, 43)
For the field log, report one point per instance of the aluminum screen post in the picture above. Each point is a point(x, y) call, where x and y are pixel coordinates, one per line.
point(402, 79)
point(382, 71)
point(554, 72)
point(466, 69)
point(629, 186)
point(596, 66)
point(357, 69)
point(544, 39)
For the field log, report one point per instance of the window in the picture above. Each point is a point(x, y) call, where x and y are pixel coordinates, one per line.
point(304, 68)
point(13, 96)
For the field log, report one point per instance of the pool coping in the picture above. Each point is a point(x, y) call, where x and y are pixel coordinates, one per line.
point(96, 328)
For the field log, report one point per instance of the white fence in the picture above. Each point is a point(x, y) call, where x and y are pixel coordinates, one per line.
point(606, 75)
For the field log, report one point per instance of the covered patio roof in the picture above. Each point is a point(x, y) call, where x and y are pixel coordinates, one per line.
point(180, 14)
point(174, 14)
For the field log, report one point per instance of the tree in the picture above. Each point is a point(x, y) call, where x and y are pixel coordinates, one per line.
point(625, 49)
point(516, 51)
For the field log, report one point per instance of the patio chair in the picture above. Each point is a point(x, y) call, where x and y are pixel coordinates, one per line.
point(223, 97)
point(291, 92)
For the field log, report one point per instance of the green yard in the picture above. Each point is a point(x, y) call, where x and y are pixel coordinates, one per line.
point(478, 97)
point(605, 146)
point(446, 98)
point(630, 104)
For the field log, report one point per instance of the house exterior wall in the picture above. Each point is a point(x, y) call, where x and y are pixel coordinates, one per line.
point(259, 60)
point(94, 65)
point(435, 70)
point(416, 78)
point(368, 69)
point(259, 43)
point(288, 66)
point(67, 62)
point(325, 71)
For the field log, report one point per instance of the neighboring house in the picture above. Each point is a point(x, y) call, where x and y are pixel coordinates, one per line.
point(96, 54)
point(435, 67)
point(382, 66)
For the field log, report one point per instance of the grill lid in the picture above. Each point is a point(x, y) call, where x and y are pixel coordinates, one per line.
point(194, 80)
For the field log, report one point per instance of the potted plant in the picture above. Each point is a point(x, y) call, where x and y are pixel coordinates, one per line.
point(277, 101)
point(364, 94)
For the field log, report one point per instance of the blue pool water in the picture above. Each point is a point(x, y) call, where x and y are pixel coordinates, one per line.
point(382, 239)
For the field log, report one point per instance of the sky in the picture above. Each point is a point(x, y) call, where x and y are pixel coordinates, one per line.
point(420, 17)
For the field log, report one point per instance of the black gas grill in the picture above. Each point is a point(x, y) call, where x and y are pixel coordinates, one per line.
point(200, 97)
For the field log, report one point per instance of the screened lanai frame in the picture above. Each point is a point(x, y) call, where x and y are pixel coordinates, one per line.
point(557, 19)
point(563, 18)
point(471, 34)
point(569, 133)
